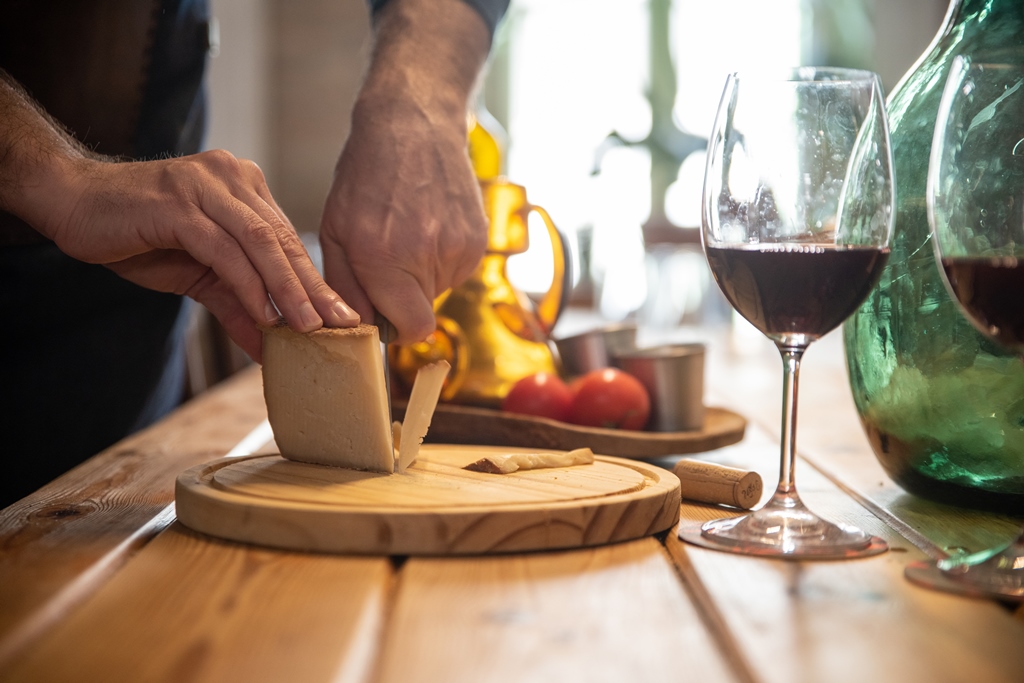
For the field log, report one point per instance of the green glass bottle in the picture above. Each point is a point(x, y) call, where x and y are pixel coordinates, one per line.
point(942, 406)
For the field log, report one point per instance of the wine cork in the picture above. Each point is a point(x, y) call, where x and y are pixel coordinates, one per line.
point(710, 483)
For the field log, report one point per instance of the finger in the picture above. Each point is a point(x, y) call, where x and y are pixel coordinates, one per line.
point(262, 245)
point(400, 298)
point(211, 246)
point(343, 280)
point(410, 312)
point(334, 310)
point(462, 268)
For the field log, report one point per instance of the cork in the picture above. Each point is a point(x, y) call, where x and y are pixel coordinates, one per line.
point(710, 483)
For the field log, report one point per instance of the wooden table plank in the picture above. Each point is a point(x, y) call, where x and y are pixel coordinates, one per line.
point(855, 620)
point(60, 543)
point(616, 613)
point(192, 608)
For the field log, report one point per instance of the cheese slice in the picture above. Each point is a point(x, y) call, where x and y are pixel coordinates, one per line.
point(422, 403)
point(506, 463)
point(326, 398)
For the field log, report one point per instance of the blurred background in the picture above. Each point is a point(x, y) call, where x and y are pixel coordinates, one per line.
point(603, 106)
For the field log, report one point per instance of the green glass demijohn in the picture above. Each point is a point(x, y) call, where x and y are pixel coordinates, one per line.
point(942, 406)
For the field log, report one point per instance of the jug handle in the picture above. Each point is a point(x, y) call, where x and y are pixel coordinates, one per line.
point(550, 307)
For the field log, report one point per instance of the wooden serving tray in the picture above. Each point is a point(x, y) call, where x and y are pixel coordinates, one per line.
point(456, 424)
point(435, 508)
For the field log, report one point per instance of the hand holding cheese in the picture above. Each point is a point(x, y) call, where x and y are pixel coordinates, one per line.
point(326, 400)
point(203, 225)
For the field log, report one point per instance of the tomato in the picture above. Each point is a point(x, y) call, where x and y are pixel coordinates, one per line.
point(610, 398)
point(542, 394)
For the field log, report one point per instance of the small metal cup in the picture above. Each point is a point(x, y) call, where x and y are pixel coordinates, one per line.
point(593, 350)
point(674, 377)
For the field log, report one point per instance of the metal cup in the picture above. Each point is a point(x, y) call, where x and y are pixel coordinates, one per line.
point(593, 350)
point(674, 377)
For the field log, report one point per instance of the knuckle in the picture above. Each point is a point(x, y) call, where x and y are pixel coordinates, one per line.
point(256, 231)
point(291, 242)
point(220, 157)
point(252, 170)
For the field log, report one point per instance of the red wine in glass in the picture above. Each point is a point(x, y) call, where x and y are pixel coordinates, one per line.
point(796, 289)
point(991, 293)
point(797, 221)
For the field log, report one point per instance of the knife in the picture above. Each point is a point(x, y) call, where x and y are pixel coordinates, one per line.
point(386, 331)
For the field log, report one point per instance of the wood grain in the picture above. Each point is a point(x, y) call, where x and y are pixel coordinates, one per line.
point(470, 425)
point(436, 507)
point(611, 614)
point(60, 543)
point(188, 608)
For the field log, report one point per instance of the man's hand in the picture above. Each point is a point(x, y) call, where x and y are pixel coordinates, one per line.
point(404, 220)
point(203, 225)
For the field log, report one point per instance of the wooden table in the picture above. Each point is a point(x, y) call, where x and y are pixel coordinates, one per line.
point(99, 583)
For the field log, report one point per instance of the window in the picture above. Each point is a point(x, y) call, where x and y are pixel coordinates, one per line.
point(568, 73)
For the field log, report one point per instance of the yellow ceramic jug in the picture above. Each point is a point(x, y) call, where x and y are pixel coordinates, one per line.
point(491, 333)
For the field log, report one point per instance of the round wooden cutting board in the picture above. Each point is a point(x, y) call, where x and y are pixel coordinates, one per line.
point(435, 508)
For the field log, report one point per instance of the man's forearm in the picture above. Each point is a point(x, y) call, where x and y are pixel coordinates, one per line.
point(428, 52)
point(33, 150)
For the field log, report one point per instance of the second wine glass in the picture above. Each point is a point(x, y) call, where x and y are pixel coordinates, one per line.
point(975, 205)
point(797, 221)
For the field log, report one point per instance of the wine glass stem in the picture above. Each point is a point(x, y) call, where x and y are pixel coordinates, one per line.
point(791, 355)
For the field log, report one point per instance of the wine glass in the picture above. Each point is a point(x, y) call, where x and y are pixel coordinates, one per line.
point(975, 200)
point(798, 210)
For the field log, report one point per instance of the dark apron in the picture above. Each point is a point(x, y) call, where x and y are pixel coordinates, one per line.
point(86, 357)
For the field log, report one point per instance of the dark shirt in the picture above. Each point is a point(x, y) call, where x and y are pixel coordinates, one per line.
point(491, 10)
point(87, 357)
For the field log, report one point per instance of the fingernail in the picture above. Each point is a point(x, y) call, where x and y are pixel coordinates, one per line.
point(271, 312)
point(344, 312)
point(309, 317)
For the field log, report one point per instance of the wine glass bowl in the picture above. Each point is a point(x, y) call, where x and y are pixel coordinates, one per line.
point(797, 221)
point(975, 200)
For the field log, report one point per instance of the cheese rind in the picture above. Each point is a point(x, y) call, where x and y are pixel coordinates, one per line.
point(325, 395)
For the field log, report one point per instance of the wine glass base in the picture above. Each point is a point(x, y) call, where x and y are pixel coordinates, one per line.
point(822, 541)
point(927, 574)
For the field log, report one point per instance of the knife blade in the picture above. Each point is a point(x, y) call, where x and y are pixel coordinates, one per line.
point(386, 331)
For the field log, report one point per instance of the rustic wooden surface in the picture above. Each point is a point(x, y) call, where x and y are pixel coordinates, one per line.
point(191, 608)
point(470, 425)
point(612, 614)
point(60, 543)
point(436, 507)
point(176, 605)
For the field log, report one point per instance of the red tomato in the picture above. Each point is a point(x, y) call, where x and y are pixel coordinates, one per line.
point(542, 394)
point(610, 398)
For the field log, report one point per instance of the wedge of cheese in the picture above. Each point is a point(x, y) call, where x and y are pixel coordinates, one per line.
point(327, 402)
point(326, 398)
point(426, 390)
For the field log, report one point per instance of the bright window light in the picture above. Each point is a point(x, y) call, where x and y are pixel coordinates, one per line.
point(579, 70)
